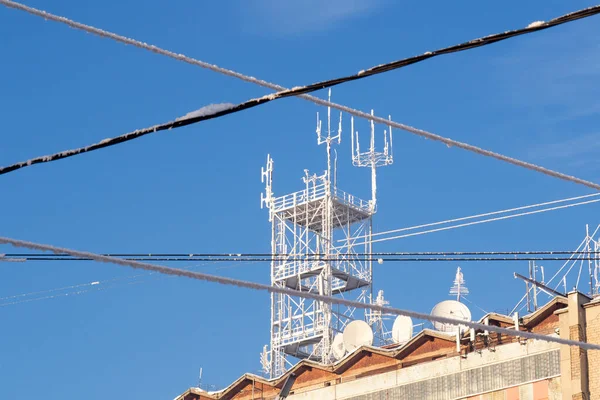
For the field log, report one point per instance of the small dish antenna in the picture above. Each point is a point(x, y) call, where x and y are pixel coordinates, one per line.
point(337, 347)
point(357, 333)
point(402, 330)
point(450, 309)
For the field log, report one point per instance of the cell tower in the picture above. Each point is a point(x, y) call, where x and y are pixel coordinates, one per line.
point(320, 242)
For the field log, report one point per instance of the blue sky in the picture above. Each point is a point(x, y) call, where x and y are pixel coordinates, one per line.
point(196, 189)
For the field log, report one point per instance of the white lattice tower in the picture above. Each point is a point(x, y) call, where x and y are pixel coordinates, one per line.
point(306, 227)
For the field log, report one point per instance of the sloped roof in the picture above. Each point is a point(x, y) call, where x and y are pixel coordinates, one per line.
point(426, 345)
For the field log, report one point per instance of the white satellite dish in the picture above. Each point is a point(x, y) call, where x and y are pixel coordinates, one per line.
point(357, 333)
point(450, 309)
point(337, 347)
point(402, 330)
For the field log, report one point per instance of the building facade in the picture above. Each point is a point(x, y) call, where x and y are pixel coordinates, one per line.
point(434, 365)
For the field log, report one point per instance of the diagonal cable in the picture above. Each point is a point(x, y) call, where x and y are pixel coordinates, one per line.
point(291, 292)
point(307, 89)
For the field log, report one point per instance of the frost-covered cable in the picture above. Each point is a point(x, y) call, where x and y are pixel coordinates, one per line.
point(219, 110)
point(449, 221)
point(445, 228)
point(553, 276)
point(311, 256)
point(282, 290)
point(479, 42)
point(298, 91)
point(28, 294)
point(95, 286)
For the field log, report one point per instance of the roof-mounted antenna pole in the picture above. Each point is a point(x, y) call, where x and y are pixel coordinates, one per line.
point(588, 249)
point(335, 171)
point(372, 158)
point(352, 134)
point(391, 141)
point(267, 178)
point(459, 289)
point(597, 267)
point(328, 139)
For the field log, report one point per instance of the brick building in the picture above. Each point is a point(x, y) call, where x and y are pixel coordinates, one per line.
point(433, 365)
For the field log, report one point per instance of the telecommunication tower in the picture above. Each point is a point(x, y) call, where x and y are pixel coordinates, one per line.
point(320, 243)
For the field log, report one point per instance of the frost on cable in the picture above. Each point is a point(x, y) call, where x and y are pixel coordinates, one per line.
point(535, 24)
point(207, 110)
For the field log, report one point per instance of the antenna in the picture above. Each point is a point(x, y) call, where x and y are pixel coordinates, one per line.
point(372, 158)
point(337, 347)
point(328, 139)
point(265, 361)
point(356, 334)
point(459, 287)
point(200, 378)
point(402, 330)
point(310, 222)
point(266, 177)
point(450, 309)
point(586, 251)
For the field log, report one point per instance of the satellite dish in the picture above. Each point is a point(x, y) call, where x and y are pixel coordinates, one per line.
point(450, 309)
point(339, 351)
point(357, 333)
point(402, 330)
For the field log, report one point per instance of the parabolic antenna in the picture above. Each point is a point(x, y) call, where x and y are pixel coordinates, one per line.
point(357, 333)
point(339, 351)
point(402, 330)
point(450, 309)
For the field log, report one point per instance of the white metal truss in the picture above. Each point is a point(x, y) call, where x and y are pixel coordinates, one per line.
point(568, 276)
point(306, 225)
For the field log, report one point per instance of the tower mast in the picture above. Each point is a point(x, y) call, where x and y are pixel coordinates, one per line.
point(314, 246)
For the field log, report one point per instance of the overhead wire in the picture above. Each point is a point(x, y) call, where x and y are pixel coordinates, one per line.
point(112, 283)
point(269, 259)
point(445, 228)
point(390, 66)
point(220, 111)
point(448, 221)
point(53, 296)
point(291, 292)
point(208, 256)
point(572, 259)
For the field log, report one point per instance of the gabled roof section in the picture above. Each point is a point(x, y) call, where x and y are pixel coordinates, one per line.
point(557, 303)
point(427, 345)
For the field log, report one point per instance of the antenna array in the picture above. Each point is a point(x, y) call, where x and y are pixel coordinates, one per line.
point(459, 289)
point(372, 158)
point(308, 223)
point(583, 263)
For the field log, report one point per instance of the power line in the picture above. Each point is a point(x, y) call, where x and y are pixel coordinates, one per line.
point(483, 41)
point(203, 115)
point(484, 221)
point(448, 221)
point(270, 259)
point(574, 261)
point(275, 289)
point(94, 286)
point(209, 256)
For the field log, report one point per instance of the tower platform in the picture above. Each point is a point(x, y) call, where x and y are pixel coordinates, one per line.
point(292, 273)
point(307, 208)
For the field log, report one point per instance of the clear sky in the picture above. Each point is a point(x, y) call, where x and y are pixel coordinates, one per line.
point(196, 189)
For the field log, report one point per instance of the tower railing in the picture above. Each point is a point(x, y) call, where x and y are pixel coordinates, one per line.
point(318, 192)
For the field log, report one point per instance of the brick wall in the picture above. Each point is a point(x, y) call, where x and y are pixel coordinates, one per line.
point(593, 336)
